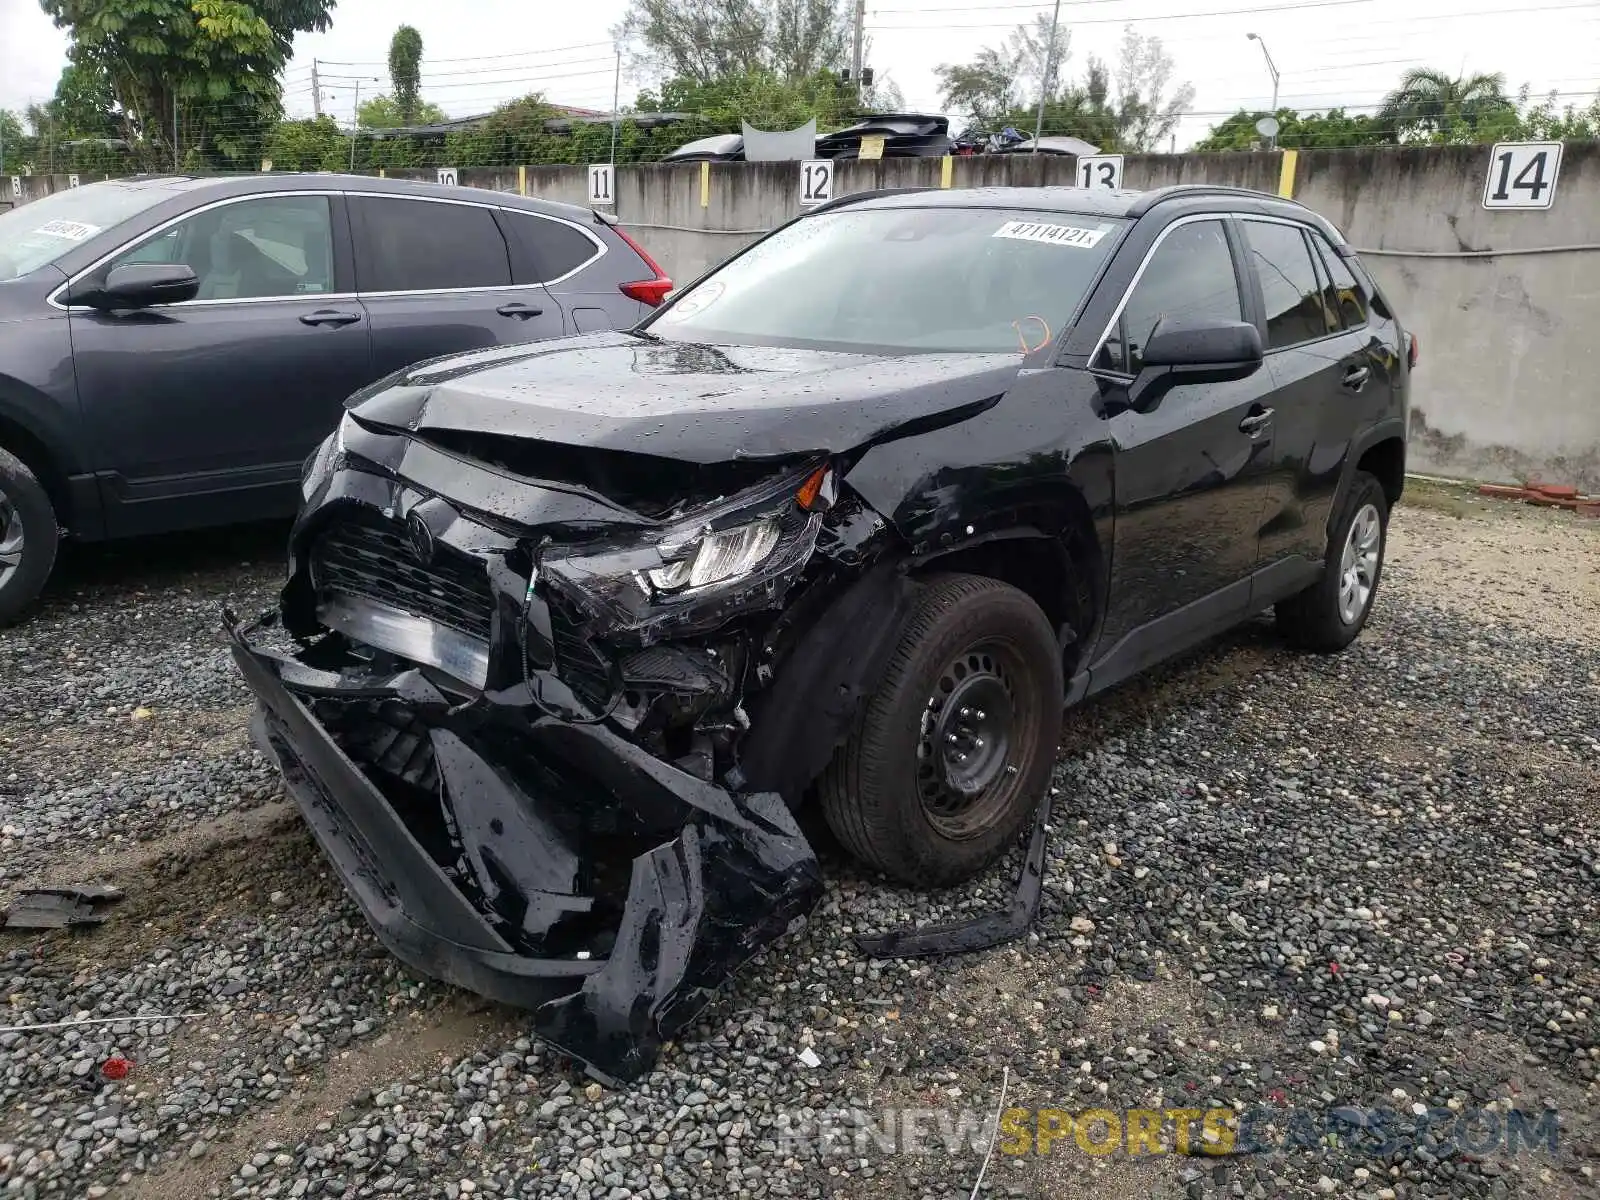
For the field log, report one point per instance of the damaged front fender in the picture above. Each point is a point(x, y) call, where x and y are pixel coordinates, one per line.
point(546, 864)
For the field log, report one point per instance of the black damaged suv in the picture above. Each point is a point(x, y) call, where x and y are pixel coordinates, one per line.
point(577, 626)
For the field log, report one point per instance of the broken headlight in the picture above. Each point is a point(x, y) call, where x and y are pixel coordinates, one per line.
point(735, 556)
point(717, 557)
point(320, 462)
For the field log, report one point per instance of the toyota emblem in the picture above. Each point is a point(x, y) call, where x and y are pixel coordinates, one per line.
point(420, 537)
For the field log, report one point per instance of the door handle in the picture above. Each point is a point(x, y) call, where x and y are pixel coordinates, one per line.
point(521, 311)
point(330, 316)
point(1356, 378)
point(1256, 422)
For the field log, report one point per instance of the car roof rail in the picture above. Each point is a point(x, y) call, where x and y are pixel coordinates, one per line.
point(1182, 191)
point(853, 197)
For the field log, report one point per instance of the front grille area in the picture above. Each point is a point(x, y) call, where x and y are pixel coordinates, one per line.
point(581, 667)
point(375, 562)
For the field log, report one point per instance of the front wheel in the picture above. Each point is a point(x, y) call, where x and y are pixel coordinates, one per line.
point(28, 537)
point(1329, 615)
point(948, 759)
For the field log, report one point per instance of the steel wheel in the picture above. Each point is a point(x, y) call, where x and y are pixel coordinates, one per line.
point(969, 741)
point(11, 539)
point(1358, 566)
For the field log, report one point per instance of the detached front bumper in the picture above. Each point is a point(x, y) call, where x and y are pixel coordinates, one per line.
point(546, 864)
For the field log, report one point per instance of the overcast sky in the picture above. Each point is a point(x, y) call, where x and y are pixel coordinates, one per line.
point(478, 53)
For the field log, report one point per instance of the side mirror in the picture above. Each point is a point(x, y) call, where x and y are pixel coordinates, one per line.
point(142, 285)
point(1184, 351)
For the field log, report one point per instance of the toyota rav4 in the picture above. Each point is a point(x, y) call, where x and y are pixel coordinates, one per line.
point(575, 628)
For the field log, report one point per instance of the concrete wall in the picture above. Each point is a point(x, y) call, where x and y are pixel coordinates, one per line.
point(1507, 383)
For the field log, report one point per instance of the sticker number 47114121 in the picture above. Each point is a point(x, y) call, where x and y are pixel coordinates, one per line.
point(1522, 175)
point(1053, 235)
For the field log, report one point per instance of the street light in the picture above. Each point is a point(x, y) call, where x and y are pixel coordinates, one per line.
point(1272, 68)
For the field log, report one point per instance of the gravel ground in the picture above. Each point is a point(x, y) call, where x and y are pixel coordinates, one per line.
point(1275, 882)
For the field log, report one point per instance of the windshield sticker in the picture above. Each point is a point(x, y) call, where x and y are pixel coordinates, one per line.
point(73, 231)
point(701, 298)
point(1055, 235)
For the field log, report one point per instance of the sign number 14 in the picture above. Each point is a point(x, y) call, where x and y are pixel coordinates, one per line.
point(1522, 175)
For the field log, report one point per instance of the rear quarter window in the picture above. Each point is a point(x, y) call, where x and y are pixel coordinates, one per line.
point(554, 249)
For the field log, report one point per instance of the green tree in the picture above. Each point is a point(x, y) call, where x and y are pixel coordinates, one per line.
point(1332, 130)
point(315, 144)
point(405, 72)
point(1039, 64)
point(17, 147)
point(383, 112)
point(210, 67)
point(710, 40)
point(1544, 123)
point(983, 90)
point(1431, 106)
point(1146, 113)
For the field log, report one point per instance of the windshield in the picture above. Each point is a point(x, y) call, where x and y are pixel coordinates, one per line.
point(41, 231)
point(960, 280)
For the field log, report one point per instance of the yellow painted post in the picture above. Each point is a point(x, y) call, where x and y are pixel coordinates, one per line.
point(1291, 159)
point(381, 174)
point(522, 181)
point(705, 185)
point(946, 169)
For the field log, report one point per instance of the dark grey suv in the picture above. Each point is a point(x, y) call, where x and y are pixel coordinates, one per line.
point(172, 349)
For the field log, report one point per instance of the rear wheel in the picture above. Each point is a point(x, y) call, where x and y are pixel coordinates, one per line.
point(27, 537)
point(948, 758)
point(1331, 613)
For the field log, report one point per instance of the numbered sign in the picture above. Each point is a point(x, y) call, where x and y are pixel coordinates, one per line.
point(72, 181)
point(1522, 175)
point(16, 187)
point(816, 181)
point(1104, 171)
point(602, 183)
point(448, 176)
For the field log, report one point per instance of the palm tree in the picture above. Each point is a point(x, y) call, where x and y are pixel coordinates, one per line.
point(1444, 109)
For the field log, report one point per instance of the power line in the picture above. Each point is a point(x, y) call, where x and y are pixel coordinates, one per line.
point(1234, 12)
point(477, 57)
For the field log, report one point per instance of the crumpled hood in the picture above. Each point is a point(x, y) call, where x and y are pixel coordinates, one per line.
point(682, 400)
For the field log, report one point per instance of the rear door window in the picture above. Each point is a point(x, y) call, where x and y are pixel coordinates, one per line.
point(405, 245)
point(1190, 276)
point(1290, 287)
point(553, 249)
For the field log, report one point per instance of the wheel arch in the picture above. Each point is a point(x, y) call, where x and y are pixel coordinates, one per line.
point(46, 465)
point(1056, 561)
point(1385, 460)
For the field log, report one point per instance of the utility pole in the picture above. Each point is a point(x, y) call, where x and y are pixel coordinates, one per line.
point(1044, 77)
point(177, 165)
point(616, 100)
point(1272, 69)
point(316, 91)
point(355, 123)
point(859, 50)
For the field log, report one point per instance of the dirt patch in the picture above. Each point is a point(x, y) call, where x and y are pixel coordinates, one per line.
point(1508, 563)
point(415, 1047)
point(129, 866)
point(182, 886)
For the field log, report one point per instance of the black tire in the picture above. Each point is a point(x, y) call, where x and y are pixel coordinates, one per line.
point(25, 504)
point(888, 799)
point(1316, 619)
